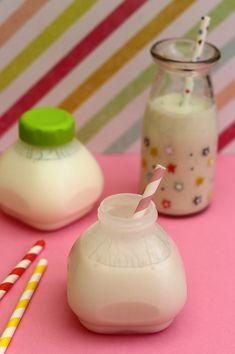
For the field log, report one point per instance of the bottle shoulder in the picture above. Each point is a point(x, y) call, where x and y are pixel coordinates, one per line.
point(125, 251)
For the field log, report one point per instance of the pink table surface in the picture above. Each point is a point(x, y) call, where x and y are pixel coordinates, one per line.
point(206, 241)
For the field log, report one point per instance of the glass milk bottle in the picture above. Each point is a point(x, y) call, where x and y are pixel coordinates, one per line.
point(180, 127)
point(48, 178)
point(125, 274)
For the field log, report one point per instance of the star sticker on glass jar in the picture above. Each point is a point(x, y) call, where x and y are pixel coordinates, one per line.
point(154, 151)
point(144, 163)
point(146, 142)
point(149, 175)
point(209, 196)
point(197, 200)
point(166, 203)
point(179, 186)
point(171, 168)
point(199, 181)
point(169, 150)
point(210, 161)
point(206, 151)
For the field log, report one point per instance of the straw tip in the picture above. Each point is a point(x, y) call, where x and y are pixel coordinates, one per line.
point(205, 18)
point(40, 243)
point(43, 262)
point(160, 166)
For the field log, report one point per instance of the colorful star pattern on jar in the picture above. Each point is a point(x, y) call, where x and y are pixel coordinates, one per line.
point(199, 181)
point(166, 203)
point(169, 150)
point(197, 200)
point(146, 142)
point(179, 186)
point(144, 163)
point(206, 151)
point(209, 196)
point(171, 168)
point(210, 161)
point(154, 151)
point(175, 182)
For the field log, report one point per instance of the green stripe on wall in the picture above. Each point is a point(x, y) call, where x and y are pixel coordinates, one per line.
point(124, 54)
point(96, 122)
point(228, 51)
point(218, 14)
point(44, 40)
point(116, 105)
point(127, 138)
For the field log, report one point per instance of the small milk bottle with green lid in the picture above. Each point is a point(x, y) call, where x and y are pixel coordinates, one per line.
point(48, 178)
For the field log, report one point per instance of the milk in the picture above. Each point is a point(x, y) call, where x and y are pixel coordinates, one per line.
point(183, 138)
point(125, 275)
point(48, 178)
point(48, 188)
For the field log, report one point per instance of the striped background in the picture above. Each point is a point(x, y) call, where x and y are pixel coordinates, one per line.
point(92, 58)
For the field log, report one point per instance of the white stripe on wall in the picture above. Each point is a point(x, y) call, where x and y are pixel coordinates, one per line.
point(105, 50)
point(121, 123)
point(222, 77)
point(56, 51)
point(27, 33)
point(7, 7)
point(227, 115)
point(128, 72)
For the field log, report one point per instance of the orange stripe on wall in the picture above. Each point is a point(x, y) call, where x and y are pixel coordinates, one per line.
point(19, 18)
point(226, 95)
point(124, 54)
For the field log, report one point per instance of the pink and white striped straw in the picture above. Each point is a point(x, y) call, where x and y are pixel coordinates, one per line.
point(20, 268)
point(149, 191)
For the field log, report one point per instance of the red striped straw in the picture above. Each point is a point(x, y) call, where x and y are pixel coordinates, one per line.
point(20, 268)
point(150, 190)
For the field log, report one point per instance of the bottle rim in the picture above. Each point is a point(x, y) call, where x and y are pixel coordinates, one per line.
point(131, 200)
point(187, 65)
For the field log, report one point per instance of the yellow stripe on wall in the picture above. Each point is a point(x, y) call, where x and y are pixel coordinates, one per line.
point(43, 41)
point(125, 53)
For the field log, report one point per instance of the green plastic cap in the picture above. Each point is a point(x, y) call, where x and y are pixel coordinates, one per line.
point(46, 126)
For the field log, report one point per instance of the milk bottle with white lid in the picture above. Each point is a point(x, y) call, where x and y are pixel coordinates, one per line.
point(48, 178)
point(181, 137)
point(125, 274)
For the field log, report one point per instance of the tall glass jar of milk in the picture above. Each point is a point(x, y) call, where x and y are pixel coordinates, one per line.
point(180, 127)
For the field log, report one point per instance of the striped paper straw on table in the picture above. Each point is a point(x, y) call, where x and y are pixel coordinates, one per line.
point(20, 268)
point(22, 305)
point(149, 191)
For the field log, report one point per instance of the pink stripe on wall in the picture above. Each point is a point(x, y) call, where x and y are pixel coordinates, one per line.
point(66, 64)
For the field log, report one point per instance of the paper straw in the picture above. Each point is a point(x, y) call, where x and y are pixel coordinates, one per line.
point(198, 49)
point(22, 305)
point(20, 268)
point(149, 191)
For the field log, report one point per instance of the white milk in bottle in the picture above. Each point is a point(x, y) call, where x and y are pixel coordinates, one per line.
point(48, 178)
point(183, 138)
point(125, 274)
